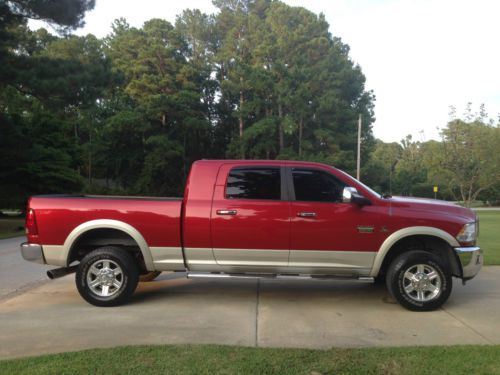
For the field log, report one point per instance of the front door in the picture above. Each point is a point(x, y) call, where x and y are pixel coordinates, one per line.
point(250, 219)
point(328, 236)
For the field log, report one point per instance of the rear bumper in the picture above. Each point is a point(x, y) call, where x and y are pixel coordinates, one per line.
point(471, 259)
point(32, 252)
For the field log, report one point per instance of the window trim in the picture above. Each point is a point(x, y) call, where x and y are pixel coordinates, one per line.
point(284, 194)
point(291, 185)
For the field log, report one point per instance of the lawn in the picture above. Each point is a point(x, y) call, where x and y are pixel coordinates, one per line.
point(11, 227)
point(214, 359)
point(489, 236)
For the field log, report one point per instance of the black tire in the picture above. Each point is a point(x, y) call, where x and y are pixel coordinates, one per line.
point(410, 298)
point(125, 273)
point(150, 276)
point(379, 280)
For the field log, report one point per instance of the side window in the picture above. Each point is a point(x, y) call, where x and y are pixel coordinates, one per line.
point(316, 186)
point(254, 183)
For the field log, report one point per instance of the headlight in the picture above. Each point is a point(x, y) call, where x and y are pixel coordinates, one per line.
point(467, 235)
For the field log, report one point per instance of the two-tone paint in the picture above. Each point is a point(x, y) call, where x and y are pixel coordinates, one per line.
point(204, 231)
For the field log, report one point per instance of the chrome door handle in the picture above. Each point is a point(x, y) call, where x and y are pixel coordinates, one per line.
point(306, 214)
point(227, 212)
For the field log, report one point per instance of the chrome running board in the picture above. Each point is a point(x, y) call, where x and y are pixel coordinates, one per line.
point(221, 275)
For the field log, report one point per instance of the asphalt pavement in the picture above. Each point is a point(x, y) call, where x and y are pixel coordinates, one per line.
point(51, 317)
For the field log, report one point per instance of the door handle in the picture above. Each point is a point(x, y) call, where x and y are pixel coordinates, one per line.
point(227, 212)
point(306, 214)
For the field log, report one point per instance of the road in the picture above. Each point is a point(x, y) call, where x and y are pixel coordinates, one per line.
point(17, 275)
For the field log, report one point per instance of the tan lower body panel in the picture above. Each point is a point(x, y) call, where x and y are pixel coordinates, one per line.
point(164, 258)
point(331, 259)
point(251, 257)
point(55, 255)
point(200, 259)
point(247, 260)
point(357, 263)
point(332, 262)
point(167, 258)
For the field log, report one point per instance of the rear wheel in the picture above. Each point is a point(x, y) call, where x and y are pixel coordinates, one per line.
point(419, 280)
point(107, 276)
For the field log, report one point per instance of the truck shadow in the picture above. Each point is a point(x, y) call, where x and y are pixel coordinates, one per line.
point(176, 284)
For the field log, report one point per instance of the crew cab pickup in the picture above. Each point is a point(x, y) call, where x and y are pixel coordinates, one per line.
point(266, 219)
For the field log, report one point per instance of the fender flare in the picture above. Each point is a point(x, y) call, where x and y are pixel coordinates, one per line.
point(407, 232)
point(109, 224)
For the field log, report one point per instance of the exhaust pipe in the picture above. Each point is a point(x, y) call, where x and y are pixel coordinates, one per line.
point(60, 272)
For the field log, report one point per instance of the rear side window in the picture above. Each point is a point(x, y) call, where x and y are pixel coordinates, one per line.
point(254, 183)
point(313, 185)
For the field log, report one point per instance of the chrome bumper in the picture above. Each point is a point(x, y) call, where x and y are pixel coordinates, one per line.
point(32, 252)
point(471, 259)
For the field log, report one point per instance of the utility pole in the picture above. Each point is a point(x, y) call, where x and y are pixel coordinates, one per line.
point(358, 173)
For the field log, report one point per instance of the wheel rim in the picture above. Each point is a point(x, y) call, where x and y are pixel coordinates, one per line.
point(104, 278)
point(422, 283)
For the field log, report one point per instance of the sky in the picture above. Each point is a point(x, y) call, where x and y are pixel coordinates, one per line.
point(419, 56)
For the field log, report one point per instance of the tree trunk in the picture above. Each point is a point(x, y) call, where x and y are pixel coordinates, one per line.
point(242, 102)
point(463, 195)
point(280, 128)
point(184, 158)
point(90, 157)
point(241, 122)
point(163, 119)
point(301, 126)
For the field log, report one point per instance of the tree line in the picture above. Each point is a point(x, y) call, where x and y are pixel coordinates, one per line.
point(464, 165)
point(129, 113)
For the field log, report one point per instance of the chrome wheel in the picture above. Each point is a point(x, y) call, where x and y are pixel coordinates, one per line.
point(105, 278)
point(422, 283)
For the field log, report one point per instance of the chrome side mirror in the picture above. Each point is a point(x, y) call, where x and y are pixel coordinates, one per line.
point(351, 195)
point(347, 194)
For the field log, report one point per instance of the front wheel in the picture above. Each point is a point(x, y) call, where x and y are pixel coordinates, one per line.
point(419, 281)
point(107, 276)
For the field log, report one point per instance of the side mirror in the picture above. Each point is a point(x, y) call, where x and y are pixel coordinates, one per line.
point(351, 195)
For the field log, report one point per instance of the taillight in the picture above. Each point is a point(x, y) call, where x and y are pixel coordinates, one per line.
point(31, 228)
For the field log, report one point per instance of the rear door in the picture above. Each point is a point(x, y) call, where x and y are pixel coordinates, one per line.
point(328, 236)
point(250, 218)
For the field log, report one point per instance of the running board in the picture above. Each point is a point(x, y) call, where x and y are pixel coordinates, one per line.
point(216, 275)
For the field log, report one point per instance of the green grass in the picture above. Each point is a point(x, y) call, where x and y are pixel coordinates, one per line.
point(213, 359)
point(489, 236)
point(10, 227)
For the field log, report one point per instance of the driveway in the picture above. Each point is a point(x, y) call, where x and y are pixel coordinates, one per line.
point(316, 314)
point(17, 275)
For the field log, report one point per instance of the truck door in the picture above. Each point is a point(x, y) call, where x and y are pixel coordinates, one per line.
point(328, 236)
point(250, 218)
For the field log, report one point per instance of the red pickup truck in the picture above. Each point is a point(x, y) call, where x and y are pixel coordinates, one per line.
point(266, 219)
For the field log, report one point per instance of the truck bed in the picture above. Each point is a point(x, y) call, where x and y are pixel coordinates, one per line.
point(156, 218)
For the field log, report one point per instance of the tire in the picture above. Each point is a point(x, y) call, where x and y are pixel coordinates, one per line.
point(409, 282)
point(107, 276)
point(379, 280)
point(150, 276)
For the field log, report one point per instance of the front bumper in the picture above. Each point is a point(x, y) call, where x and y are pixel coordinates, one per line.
point(32, 252)
point(471, 259)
